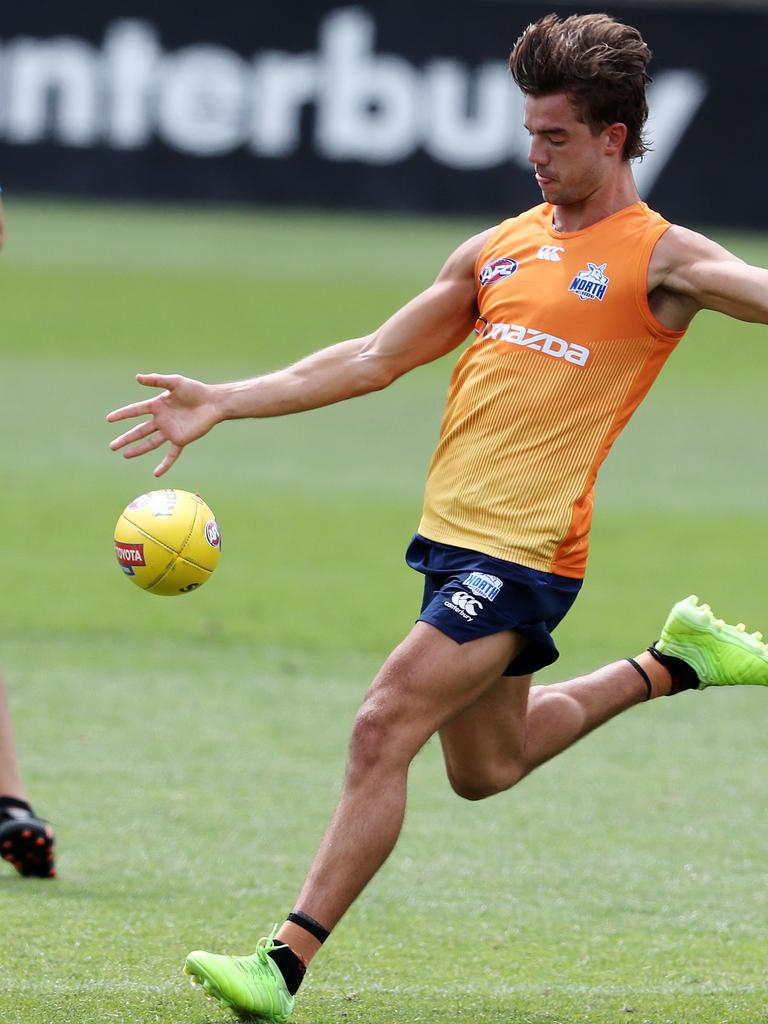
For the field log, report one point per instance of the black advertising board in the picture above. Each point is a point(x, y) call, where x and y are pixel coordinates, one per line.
point(381, 105)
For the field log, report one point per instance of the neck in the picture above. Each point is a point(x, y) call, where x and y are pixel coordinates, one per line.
point(608, 198)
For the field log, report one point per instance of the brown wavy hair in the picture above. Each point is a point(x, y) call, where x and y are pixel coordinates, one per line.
point(598, 61)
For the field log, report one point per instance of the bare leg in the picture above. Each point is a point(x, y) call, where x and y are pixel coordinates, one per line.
point(427, 680)
point(493, 730)
point(513, 727)
point(10, 778)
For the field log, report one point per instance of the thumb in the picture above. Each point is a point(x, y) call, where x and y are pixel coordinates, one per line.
point(158, 380)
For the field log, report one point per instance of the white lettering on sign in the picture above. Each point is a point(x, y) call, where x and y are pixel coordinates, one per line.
point(207, 100)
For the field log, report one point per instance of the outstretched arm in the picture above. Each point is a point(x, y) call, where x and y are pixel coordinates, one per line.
point(695, 273)
point(430, 325)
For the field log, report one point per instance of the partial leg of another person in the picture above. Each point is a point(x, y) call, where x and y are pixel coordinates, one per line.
point(26, 841)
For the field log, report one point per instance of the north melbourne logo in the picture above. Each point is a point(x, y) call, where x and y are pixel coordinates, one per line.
point(483, 584)
point(590, 283)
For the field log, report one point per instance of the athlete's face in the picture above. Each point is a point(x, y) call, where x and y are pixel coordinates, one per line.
point(570, 161)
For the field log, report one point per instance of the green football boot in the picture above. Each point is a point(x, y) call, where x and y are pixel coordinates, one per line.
point(251, 986)
point(719, 654)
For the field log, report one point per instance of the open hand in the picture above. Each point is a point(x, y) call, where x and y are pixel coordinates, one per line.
point(183, 412)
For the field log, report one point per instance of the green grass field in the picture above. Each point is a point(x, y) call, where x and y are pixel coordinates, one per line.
point(189, 751)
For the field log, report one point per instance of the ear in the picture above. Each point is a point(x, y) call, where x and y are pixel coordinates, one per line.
point(615, 136)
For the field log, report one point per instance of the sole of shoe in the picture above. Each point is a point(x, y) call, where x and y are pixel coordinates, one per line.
point(27, 844)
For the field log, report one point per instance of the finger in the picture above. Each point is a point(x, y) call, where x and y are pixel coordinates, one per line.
point(128, 411)
point(158, 380)
point(146, 446)
point(173, 453)
point(134, 434)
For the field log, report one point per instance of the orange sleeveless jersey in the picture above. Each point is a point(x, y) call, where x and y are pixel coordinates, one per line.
point(566, 349)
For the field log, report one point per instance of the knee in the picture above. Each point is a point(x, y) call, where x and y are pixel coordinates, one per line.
point(479, 784)
point(391, 725)
point(374, 739)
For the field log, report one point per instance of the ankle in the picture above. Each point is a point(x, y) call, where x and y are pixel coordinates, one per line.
point(682, 676)
point(655, 675)
point(292, 966)
point(300, 941)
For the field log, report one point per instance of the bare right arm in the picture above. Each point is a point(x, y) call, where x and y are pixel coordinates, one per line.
point(689, 272)
point(427, 327)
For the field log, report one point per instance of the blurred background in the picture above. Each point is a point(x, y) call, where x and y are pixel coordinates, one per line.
point(376, 106)
point(217, 190)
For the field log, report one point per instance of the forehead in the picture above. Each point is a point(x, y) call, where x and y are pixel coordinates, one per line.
point(547, 112)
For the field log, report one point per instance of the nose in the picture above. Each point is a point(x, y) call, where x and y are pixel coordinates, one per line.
point(537, 153)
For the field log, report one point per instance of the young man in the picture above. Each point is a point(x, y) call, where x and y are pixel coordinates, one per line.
point(26, 841)
point(576, 305)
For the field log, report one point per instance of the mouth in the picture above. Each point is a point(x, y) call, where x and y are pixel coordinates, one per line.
point(542, 180)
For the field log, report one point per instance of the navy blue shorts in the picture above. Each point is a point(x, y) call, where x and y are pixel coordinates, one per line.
point(468, 595)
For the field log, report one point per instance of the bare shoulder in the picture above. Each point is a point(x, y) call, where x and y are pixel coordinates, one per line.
point(461, 262)
point(689, 272)
point(680, 247)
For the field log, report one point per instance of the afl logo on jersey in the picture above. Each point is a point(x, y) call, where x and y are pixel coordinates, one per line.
point(497, 270)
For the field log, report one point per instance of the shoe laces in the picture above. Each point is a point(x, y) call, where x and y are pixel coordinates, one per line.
point(264, 947)
point(267, 942)
point(257, 968)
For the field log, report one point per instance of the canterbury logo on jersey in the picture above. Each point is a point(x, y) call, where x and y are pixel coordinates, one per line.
point(550, 252)
point(466, 605)
point(529, 337)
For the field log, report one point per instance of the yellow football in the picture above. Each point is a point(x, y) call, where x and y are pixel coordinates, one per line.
point(167, 542)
